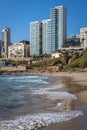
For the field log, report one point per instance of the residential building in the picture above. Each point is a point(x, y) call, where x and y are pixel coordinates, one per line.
point(74, 40)
point(27, 47)
point(5, 42)
point(83, 37)
point(19, 50)
point(35, 38)
point(46, 37)
point(59, 27)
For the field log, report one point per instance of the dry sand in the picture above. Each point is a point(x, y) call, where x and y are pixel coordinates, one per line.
point(78, 82)
point(77, 77)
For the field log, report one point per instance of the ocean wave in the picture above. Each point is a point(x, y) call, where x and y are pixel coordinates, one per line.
point(48, 89)
point(53, 94)
point(31, 79)
point(27, 77)
point(61, 95)
point(53, 87)
point(22, 77)
point(38, 81)
point(37, 121)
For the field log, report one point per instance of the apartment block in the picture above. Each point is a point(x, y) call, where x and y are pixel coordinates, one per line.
point(83, 37)
point(59, 27)
point(49, 35)
point(46, 37)
point(19, 50)
point(35, 38)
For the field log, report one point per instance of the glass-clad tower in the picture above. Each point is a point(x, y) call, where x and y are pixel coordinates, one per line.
point(46, 36)
point(59, 27)
point(49, 35)
point(35, 38)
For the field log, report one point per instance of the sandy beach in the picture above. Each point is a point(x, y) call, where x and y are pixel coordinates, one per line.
point(61, 97)
point(76, 83)
point(76, 77)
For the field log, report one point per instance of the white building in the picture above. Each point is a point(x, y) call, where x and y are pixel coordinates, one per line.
point(83, 37)
point(19, 50)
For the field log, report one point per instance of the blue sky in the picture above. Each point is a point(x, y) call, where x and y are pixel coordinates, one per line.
point(17, 14)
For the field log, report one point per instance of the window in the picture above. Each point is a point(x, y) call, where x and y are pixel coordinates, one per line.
point(3, 49)
point(3, 44)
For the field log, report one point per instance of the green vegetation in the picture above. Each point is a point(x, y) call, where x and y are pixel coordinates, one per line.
point(80, 62)
point(46, 62)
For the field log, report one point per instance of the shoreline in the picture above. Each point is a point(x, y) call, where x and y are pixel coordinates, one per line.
point(79, 78)
point(72, 81)
point(77, 84)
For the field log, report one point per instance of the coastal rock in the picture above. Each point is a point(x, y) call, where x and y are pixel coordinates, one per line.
point(70, 61)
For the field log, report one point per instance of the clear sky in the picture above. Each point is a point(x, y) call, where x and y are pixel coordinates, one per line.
point(17, 14)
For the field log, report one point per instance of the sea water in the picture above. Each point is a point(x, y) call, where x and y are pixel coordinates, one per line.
point(32, 102)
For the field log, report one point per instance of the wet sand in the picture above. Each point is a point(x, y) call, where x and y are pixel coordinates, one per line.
point(76, 77)
point(76, 83)
point(68, 125)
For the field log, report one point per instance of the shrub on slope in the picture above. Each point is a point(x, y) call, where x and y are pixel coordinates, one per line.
point(80, 62)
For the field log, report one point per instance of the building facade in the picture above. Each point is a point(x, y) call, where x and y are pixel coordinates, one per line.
point(49, 35)
point(74, 40)
point(46, 37)
point(35, 38)
point(5, 42)
point(19, 50)
point(83, 37)
point(59, 27)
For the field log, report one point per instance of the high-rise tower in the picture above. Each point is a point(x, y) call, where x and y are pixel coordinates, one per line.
point(35, 38)
point(5, 42)
point(46, 36)
point(59, 27)
point(49, 35)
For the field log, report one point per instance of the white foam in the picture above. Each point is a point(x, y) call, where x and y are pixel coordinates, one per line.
point(47, 90)
point(39, 81)
point(61, 95)
point(32, 79)
point(54, 95)
point(26, 77)
point(54, 87)
point(64, 105)
point(22, 77)
point(38, 121)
